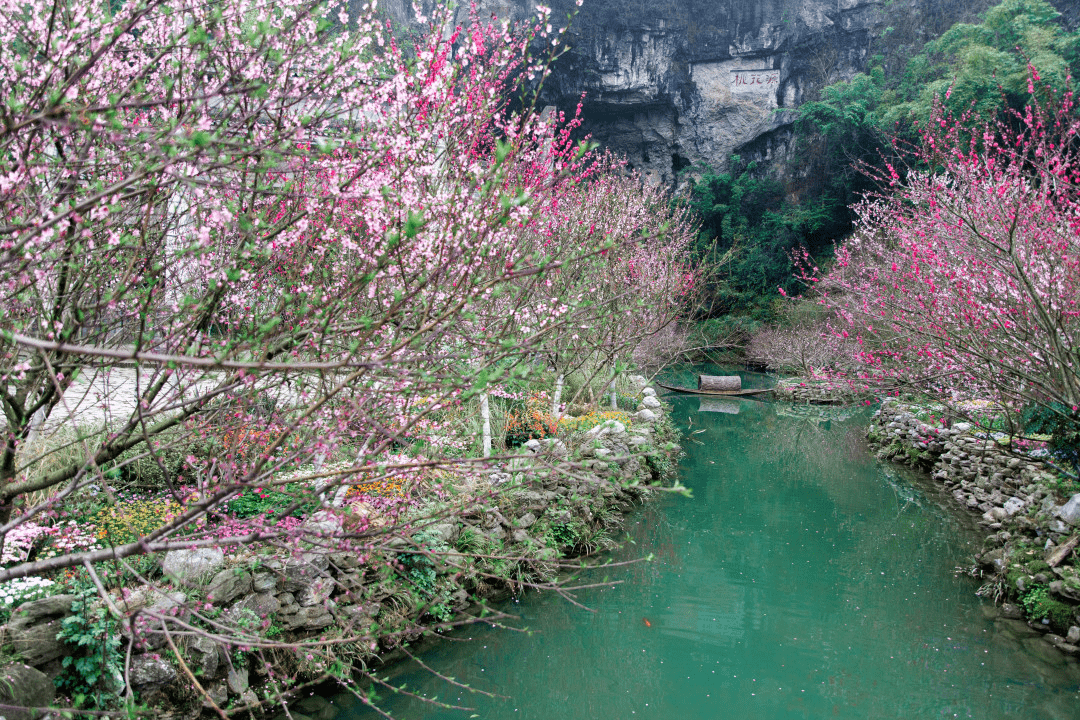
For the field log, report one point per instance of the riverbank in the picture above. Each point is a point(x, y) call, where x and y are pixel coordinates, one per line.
point(177, 639)
point(1031, 517)
point(804, 576)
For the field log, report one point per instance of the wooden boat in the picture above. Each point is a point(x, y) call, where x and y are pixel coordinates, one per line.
point(726, 393)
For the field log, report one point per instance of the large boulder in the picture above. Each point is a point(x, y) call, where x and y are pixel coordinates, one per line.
point(228, 585)
point(264, 582)
point(202, 654)
point(34, 626)
point(163, 607)
point(608, 427)
point(168, 602)
point(131, 600)
point(324, 523)
point(148, 635)
point(997, 560)
point(308, 618)
point(238, 680)
point(314, 594)
point(1014, 505)
point(193, 566)
point(296, 573)
point(646, 415)
point(345, 560)
point(1070, 511)
point(261, 605)
point(150, 671)
point(44, 609)
point(25, 687)
point(444, 532)
point(550, 446)
point(217, 694)
point(37, 644)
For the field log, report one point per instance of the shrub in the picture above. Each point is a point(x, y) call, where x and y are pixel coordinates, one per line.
point(259, 501)
point(128, 521)
point(533, 423)
point(569, 425)
point(1061, 424)
point(95, 677)
point(154, 466)
point(418, 571)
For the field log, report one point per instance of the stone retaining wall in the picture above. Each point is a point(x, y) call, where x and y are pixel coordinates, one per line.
point(1032, 530)
point(549, 501)
point(816, 392)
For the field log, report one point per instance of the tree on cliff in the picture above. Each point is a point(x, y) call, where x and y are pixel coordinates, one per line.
point(965, 279)
point(249, 257)
point(850, 125)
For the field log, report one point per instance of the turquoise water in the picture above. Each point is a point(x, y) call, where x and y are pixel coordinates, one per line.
point(804, 579)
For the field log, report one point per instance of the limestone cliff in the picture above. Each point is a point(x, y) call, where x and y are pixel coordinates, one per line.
point(678, 83)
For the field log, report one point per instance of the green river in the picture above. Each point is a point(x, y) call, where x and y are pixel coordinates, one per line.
point(804, 579)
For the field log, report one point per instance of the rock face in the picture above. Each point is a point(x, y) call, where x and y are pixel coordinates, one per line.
point(677, 83)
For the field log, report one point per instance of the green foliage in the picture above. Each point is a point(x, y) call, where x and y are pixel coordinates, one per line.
point(1040, 606)
point(1063, 486)
point(419, 572)
point(259, 501)
point(718, 331)
point(1061, 423)
point(560, 536)
point(975, 65)
point(661, 466)
point(979, 62)
point(154, 465)
point(836, 135)
point(94, 677)
point(471, 541)
point(749, 229)
point(563, 534)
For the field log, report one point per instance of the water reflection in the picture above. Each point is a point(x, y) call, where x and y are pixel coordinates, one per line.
point(803, 580)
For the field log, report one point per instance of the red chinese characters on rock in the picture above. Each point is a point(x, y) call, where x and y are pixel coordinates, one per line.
point(747, 81)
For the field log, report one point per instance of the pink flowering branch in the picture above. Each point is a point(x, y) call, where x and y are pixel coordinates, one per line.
point(966, 278)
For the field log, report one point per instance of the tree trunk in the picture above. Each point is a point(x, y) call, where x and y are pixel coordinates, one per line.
point(1062, 551)
point(485, 416)
point(557, 397)
point(611, 387)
